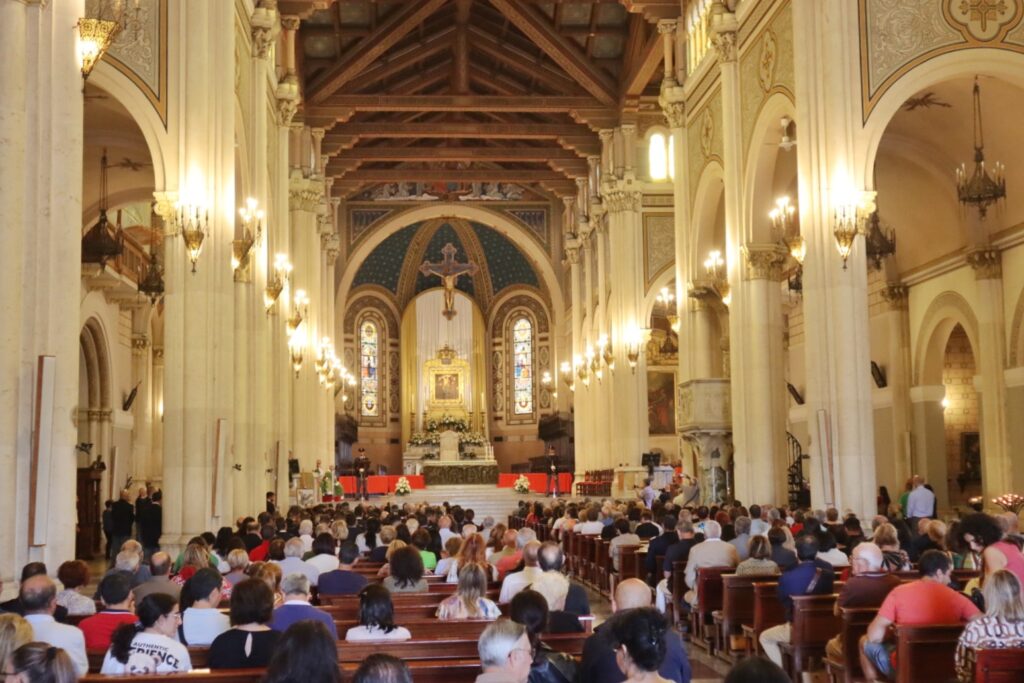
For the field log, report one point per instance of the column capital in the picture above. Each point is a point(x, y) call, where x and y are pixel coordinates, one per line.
point(158, 355)
point(305, 194)
point(140, 344)
point(331, 245)
point(318, 133)
point(667, 26)
point(287, 95)
point(265, 28)
point(290, 23)
point(724, 28)
point(763, 262)
point(895, 295)
point(164, 203)
point(606, 135)
point(986, 262)
point(674, 111)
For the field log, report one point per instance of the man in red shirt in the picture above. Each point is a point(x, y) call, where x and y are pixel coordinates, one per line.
point(868, 587)
point(929, 601)
point(116, 595)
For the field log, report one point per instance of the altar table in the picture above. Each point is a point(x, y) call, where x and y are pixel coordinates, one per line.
point(538, 480)
point(380, 483)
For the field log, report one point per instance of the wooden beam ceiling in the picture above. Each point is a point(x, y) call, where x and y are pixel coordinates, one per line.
point(463, 129)
point(560, 49)
point(341, 104)
point(467, 154)
point(455, 175)
point(364, 53)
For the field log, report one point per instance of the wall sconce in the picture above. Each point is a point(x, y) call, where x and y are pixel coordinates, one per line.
point(252, 231)
point(300, 308)
point(582, 370)
point(667, 300)
point(634, 343)
point(848, 217)
point(565, 370)
point(95, 35)
point(296, 347)
point(714, 266)
point(280, 273)
point(606, 352)
point(193, 223)
point(594, 363)
point(546, 382)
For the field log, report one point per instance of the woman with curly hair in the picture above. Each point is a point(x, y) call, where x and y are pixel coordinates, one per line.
point(983, 534)
point(406, 575)
point(74, 575)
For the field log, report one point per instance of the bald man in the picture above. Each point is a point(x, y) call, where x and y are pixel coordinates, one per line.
point(38, 595)
point(599, 665)
point(866, 588)
point(517, 581)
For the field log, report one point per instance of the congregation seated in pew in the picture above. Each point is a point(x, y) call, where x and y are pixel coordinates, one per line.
point(376, 617)
point(405, 571)
point(469, 600)
point(250, 642)
point(148, 646)
point(530, 609)
point(343, 580)
point(1000, 627)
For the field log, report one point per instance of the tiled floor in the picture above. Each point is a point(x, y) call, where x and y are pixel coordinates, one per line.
point(706, 669)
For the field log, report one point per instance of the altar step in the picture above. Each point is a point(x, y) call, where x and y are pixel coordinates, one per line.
point(485, 500)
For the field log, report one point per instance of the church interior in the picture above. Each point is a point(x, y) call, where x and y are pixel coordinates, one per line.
point(325, 248)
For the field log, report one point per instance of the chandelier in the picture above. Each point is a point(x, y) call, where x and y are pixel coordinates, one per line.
point(152, 282)
point(99, 245)
point(96, 34)
point(667, 300)
point(879, 243)
point(788, 234)
point(980, 188)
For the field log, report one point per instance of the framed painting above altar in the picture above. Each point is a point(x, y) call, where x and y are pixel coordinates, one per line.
point(446, 378)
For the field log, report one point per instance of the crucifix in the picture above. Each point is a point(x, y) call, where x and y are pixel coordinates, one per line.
point(449, 271)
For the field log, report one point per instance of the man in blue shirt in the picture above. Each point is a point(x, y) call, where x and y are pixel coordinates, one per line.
point(296, 606)
point(343, 581)
point(809, 577)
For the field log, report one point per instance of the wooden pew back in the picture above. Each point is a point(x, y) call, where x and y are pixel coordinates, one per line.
point(925, 653)
point(998, 666)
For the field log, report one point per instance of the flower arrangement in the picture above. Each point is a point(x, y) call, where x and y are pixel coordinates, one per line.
point(402, 487)
point(425, 439)
point(1011, 502)
point(472, 439)
point(522, 484)
point(446, 423)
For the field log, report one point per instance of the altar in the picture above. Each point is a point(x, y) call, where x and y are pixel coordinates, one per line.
point(627, 479)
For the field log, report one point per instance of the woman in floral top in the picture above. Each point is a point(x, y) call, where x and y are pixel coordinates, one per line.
point(468, 601)
point(1001, 627)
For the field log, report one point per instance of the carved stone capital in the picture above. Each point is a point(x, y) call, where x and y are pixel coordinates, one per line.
point(287, 95)
point(572, 252)
point(140, 344)
point(290, 23)
point(305, 194)
point(163, 204)
point(675, 113)
point(763, 262)
point(331, 245)
point(895, 295)
point(667, 26)
point(623, 199)
point(725, 46)
point(317, 134)
point(986, 262)
point(265, 29)
point(158, 355)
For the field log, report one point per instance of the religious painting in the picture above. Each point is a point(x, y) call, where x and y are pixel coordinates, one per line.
point(446, 387)
point(661, 405)
point(970, 457)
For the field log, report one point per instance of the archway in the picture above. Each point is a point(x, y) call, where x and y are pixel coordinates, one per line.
point(961, 407)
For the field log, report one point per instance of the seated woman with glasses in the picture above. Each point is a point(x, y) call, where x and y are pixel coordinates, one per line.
point(149, 646)
point(376, 617)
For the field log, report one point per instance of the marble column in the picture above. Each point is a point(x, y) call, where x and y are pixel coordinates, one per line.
point(996, 465)
point(41, 213)
point(198, 375)
point(581, 448)
point(896, 322)
point(838, 397)
point(142, 409)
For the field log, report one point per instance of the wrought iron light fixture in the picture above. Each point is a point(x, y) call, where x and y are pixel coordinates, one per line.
point(714, 267)
point(547, 382)
point(252, 232)
point(296, 347)
point(96, 34)
point(879, 242)
point(193, 223)
point(565, 370)
point(634, 345)
point(848, 218)
point(276, 281)
point(788, 233)
point(594, 364)
point(300, 307)
point(667, 300)
point(582, 370)
point(981, 187)
point(101, 244)
point(152, 282)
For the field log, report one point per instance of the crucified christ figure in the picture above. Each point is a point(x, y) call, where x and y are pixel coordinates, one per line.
point(449, 271)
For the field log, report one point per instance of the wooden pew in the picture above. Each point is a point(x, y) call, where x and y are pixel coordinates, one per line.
point(998, 666)
point(422, 629)
point(925, 653)
point(677, 586)
point(737, 609)
point(855, 622)
point(768, 612)
point(446, 648)
point(814, 624)
point(709, 599)
point(207, 676)
point(627, 567)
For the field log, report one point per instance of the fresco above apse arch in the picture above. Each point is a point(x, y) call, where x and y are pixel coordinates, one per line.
point(394, 264)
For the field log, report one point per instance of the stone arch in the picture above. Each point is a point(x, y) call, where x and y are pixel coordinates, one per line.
point(945, 312)
point(141, 110)
point(540, 259)
point(708, 200)
point(1005, 65)
point(664, 279)
point(1016, 350)
point(97, 354)
point(763, 158)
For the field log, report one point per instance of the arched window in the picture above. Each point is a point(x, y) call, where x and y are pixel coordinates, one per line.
point(661, 161)
point(369, 399)
point(522, 367)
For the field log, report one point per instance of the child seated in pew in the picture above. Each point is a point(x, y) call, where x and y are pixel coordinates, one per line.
point(468, 601)
point(148, 646)
point(451, 549)
point(250, 642)
point(376, 617)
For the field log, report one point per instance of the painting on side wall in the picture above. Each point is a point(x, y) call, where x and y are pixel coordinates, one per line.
point(970, 456)
point(661, 404)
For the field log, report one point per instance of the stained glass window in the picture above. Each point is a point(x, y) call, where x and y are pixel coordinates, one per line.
point(369, 379)
point(522, 367)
